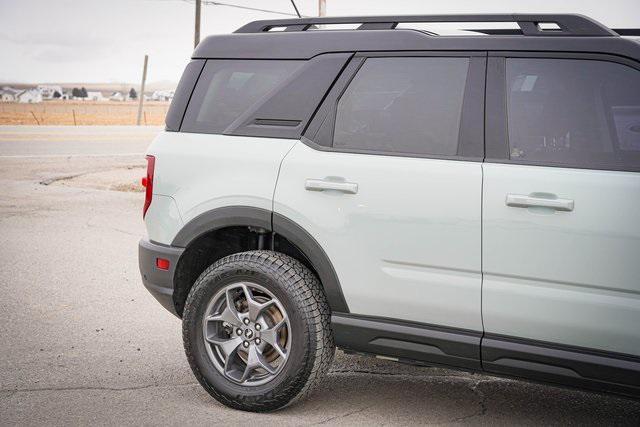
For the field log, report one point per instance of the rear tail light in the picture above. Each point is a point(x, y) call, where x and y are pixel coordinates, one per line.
point(147, 183)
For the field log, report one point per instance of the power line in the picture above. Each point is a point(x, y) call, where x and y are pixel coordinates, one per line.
point(237, 6)
point(217, 3)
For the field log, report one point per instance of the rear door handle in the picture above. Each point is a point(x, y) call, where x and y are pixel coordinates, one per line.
point(323, 185)
point(524, 201)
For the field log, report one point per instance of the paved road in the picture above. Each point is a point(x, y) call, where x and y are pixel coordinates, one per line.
point(52, 141)
point(83, 342)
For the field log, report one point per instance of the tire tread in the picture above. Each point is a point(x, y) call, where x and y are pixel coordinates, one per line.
point(305, 290)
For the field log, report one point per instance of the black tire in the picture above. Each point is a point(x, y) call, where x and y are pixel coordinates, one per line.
point(312, 345)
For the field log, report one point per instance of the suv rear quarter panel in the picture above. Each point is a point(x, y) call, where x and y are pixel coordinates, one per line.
point(204, 172)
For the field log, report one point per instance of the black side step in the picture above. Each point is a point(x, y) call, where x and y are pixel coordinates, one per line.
point(586, 368)
point(507, 356)
point(406, 341)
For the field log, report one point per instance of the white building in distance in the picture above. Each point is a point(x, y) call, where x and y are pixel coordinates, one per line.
point(9, 94)
point(96, 96)
point(29, 96)
point(48, 91)
point(162, 95)
point(117, 96)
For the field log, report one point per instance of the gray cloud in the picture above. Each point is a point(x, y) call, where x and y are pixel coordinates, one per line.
point(105, 40)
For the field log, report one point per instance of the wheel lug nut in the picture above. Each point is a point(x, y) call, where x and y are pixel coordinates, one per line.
point(239, 331)
point(258, 327)
point(246, 321)
point(245, 344)
point(258, 341)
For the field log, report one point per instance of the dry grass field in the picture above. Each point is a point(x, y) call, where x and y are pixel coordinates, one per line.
point(82, 113)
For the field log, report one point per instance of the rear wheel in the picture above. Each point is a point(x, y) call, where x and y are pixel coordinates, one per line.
point(256, 330)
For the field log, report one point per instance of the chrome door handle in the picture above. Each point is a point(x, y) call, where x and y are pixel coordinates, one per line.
point(324, 184)
point(524, 201)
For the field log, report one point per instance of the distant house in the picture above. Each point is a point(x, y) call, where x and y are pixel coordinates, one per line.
point(9, 94)
point(6, 96)
point(162, 95)
point(48, 91)
point(29, 96)
point(117, 96)
point(95, 96)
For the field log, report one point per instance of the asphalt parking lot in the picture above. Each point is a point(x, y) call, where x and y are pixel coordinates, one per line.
point(82, 342)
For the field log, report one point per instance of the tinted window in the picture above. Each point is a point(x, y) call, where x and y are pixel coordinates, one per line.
point(581, 113)
point(403, 105)
point(227, 88)
point(182, 94)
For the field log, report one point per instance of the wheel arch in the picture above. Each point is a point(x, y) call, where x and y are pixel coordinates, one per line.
point(228, 216)
point(220, 232)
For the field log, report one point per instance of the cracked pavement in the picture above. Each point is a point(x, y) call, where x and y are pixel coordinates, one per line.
point(84, 343)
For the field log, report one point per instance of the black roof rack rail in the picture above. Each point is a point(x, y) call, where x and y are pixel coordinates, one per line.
point(515, 32)
point(627, 31)
point(567, 24)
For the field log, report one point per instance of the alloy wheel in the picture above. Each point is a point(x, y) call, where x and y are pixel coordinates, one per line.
point(247, 333)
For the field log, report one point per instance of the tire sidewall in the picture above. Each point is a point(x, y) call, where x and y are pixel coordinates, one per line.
point(290, 378)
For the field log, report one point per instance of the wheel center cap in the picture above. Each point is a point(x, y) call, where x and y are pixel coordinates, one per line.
point(248, 333)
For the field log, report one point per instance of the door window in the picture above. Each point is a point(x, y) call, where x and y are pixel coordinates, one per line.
point(570, 112)
point(403, 105)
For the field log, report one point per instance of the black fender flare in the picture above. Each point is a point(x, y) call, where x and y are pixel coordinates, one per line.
point(318, 258)
point(230, 216)
point(215, 219)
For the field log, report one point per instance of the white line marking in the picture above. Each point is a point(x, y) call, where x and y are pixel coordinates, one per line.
point(32, 156)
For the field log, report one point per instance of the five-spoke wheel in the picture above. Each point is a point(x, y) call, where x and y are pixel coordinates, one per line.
point(247, 333)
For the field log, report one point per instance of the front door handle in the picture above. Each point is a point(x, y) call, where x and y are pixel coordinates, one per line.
point(324, 184)
point(549, 201)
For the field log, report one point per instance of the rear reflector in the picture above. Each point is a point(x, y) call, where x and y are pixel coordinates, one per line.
point(147, 183)
point(162, 264)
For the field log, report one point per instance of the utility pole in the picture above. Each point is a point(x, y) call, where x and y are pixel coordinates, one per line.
point(322, 7)
point(196, 33)
point(141, 95)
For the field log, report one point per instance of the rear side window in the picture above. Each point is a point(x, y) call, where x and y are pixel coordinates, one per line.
point(573, 112)
point(182, 94)
point(403, 105)
point(228, 88)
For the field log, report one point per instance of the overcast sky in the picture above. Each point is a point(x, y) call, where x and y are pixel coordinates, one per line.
point(105, 40)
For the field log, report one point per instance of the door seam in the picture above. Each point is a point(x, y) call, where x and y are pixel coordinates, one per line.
point(481, 261)
point(484, 158)
point(275, 186)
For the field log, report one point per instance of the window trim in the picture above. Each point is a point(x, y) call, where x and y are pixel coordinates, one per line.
point(182, 95)
point(497, 131)
point(471, 144)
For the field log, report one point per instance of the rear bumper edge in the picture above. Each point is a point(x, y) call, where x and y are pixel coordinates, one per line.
point(159, 282)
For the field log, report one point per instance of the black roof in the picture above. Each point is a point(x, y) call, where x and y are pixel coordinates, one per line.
point(574, 33)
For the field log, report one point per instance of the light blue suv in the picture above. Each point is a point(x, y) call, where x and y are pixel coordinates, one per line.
point(468, 201)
